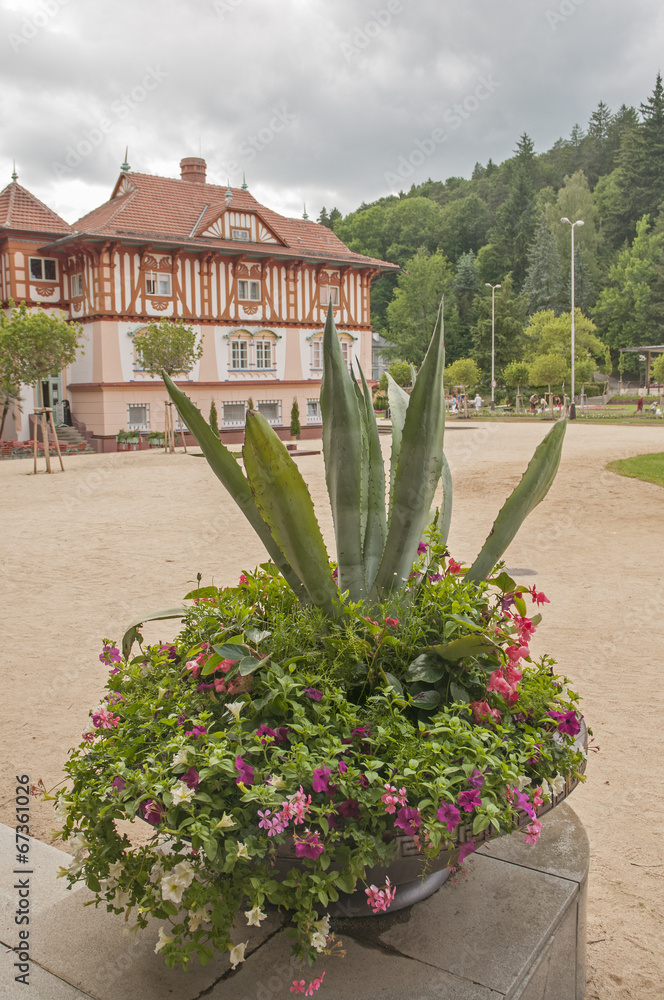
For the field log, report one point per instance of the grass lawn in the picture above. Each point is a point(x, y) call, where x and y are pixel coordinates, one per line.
point(650, 468)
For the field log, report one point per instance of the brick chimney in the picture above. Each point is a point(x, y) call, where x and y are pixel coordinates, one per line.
point(192, 169)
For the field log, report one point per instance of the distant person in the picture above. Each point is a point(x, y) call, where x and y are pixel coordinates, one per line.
point(639, 406)
point(533, 403)
point(543, 404)
point(557, 403)
point(477, 403)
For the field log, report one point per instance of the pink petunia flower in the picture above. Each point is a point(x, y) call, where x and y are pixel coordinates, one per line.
point(350, 809)
point(568, 722)
point(153, 812)
point(191, 778)
point(392, 798)
point(393, 622)
point(469, 800)
point(465, 850)
point(320, 781)
point(308, 846)
point(409, 820)
point(314, 693)
point(103, 719)
point(533, 831)
point(538, 598)
point(245, 772)
point(449, 815)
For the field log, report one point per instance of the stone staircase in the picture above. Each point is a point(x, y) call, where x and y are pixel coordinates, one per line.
point(72, 437)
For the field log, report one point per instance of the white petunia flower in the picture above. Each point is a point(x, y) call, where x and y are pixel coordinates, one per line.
point(184, 873)
point(78, 842)
point(242, 851)
point(172, 888)
point(276, 781)
point(181, 793)
point(319, 937)
point(557, 785)
point(115, 870)
point(61, 808)
point(522, 782)
point(164, 939)
point(225, 823)
point(180, 757)
point(254, 916)
point(237, 954)
point(197, 917)
point(235, 707)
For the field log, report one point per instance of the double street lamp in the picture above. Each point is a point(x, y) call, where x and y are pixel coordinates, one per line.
point(572, 408)
point(493, 341)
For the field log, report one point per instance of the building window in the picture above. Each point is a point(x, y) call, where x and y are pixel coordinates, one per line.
point(346, 353)
point(249, 291)
point(233, 413)
point(138, 416)
point(239, 354)
point(263, 354)
point(76, 286)
point(270, 409)
point(240, 234)
point(329, 293)
point(313, 411)
point(43, 269)
point(157, 283)
point(316, 353)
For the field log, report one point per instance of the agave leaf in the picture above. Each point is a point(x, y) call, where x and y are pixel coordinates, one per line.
point(398, 399)
point(445, 516)
point(533, 487)
point(413, 374)
point(342, 451)
point(376, 527)
point(229, 473)
point(129, 638)
point(418, 470)
point(364, 488)
point(466, 645)
point(282, 497)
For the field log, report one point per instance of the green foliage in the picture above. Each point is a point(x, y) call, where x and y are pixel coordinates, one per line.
point(400, 372)
point(214, 418)
point(657, 369)
point(463, 372)
point(412, 313)
point(207, 752)
point(510, 320)
point(516, 374)
point(547, 333)
point(548, 368)
point(649, 468)
point(295, 428)
point(35, 344)
point(544, 284)
point(168, 345)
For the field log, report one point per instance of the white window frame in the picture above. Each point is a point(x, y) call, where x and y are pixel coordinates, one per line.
point(238, 348)
point(317, 354)
point(315, 416)
point(136, 425)
point(237, 422)
point(264, 353)
point(240, 234)
point(42, 262)
point(270, 402)
point(76, 286)
point(248, 290)
point(346, 351)
point(329, 293)
point(155, 279)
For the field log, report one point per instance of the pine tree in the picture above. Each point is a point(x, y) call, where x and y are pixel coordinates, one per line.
point(516, 219)
point(510, 321)
point(544, 284)
point(214, 418)
point(324, 218)
point(466, 287)
point(642, 159)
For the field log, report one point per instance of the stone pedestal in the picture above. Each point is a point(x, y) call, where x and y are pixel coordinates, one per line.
point(511, 926)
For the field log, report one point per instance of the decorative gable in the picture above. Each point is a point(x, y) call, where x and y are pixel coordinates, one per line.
point(232, 224)
point(123, 186)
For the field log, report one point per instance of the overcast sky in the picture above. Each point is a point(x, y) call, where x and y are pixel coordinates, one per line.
point(328, 102)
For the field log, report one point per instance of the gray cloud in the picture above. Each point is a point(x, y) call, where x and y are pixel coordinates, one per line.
point(358, 85)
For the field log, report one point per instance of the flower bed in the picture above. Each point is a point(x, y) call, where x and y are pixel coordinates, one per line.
point(265, 723)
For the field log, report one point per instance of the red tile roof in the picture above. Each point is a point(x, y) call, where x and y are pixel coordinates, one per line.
point(20, 210)
point(163, 209)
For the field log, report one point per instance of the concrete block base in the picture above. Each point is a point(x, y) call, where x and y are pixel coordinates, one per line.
point(510, 926)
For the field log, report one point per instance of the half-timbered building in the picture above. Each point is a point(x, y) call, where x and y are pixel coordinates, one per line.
point(253, 284)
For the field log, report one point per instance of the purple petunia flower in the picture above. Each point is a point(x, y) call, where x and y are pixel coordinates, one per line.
point(409, 819)
point(449, 815)
point(308, 846)
point(568, 722)
point(153, 812)
point(191, 778)
point(476, 780)
point(469, 800)
point(350, 809)
point(245, 772)
point(314, 693)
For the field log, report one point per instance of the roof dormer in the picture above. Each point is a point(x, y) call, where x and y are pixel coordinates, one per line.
point(229, 223)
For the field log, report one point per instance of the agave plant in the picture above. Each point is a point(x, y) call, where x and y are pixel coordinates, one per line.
point(376, 542)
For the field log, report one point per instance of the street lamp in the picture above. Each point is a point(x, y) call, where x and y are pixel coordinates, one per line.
point(493, 341)
point(572, 408)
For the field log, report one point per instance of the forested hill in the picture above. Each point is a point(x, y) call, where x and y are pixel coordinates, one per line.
point(503, 226)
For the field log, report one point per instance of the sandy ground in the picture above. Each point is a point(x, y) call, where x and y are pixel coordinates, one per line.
point(84, 553)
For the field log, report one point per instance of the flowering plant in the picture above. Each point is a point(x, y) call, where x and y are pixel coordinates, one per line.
point(264, 724)
point(302, 721)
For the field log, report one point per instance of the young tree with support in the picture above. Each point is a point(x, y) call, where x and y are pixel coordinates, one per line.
point(516, 374)
point(547, 369)
point(35, 345)
point(168, 346)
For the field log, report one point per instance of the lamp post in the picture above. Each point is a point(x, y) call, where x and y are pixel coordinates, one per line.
point(572, 407)
point(493, 341)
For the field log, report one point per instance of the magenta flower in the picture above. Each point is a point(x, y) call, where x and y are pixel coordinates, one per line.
point(392, 798)
point(264, 731)
point(314, 693)
point(88, 737)
point(110, 654)
point(469, 800)
point(465, 850)
point(409, 820)
point(297, 806)
point(308, 846)
point(114, 670)
point(568, 722)
point(191, 778)
point(103, 719)
point(321, 780)
point(245, 772)
point(118, 784)
point(196, 731)
point(343, 767)
point(476, 780)
point(380, 899)
point(153, 812)
point(521, 801)
point(273, 824)
point(538, 598)
point(533, 831)
point(421, 548)
point(350, 809)
point(449, 815)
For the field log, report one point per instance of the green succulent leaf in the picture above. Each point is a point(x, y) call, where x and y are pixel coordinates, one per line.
point(533, 487)
point(418, 470)
point(445, 516)
point(342, 452)
point(229, 473)
point(398, 399)
point(376, 521)
point(131, 633)
point(466, 645)
point(282, 497)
